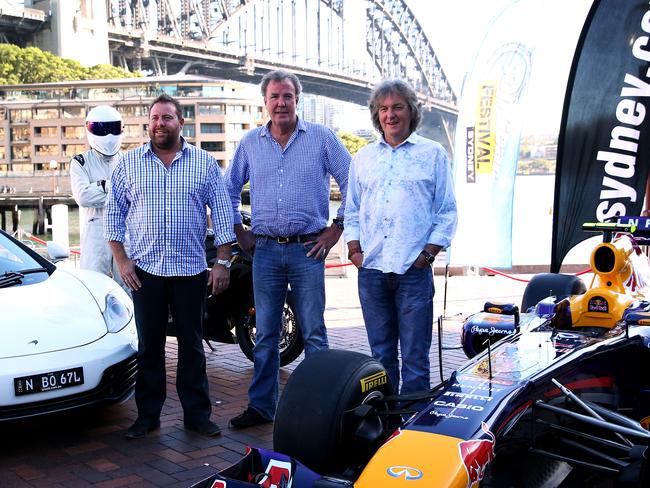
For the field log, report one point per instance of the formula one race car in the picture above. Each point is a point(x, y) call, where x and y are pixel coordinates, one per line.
point(554, 396)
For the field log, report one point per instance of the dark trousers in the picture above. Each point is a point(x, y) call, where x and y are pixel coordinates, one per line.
point(184, 296)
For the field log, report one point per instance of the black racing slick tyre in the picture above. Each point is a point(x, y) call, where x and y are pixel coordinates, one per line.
point(291, 344)
point(310, 423)
point(550, 284)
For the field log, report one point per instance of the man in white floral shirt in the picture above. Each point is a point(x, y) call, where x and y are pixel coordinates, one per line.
point(400, 212)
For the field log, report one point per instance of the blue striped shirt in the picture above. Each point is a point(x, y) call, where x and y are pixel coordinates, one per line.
point(289, 187)
point(164, 209)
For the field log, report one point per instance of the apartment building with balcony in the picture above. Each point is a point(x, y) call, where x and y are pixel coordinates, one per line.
point(40, 123)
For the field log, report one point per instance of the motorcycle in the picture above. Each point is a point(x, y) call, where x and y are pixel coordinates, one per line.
point(229, 317)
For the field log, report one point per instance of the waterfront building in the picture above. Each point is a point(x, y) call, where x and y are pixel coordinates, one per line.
point(44, 123)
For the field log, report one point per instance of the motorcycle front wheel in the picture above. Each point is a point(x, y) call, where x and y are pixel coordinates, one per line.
point(290, 338)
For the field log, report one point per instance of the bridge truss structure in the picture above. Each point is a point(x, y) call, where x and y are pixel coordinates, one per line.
point(338, 48)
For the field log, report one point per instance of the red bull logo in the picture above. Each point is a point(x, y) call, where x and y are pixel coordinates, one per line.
point(598, 304)
point(218, 484)
point(476, 454)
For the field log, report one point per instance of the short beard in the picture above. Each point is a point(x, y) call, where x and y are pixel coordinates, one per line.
point(167, 143)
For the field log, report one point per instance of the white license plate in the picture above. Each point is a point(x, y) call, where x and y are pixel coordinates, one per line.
point(54, 380)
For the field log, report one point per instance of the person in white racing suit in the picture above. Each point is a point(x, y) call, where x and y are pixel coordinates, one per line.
point(90, 176)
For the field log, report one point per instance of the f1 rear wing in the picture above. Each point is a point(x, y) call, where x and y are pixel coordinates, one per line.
point(639, 227)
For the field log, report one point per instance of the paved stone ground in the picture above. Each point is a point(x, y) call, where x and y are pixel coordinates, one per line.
point(88, 449)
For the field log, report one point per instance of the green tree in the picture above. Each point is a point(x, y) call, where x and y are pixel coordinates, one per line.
point(32, 65)
point(9, 59)
point(352, 142)
point(106, 71)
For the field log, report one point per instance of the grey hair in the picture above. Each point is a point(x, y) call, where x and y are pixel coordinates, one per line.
point(399, 87)
point(280, 75)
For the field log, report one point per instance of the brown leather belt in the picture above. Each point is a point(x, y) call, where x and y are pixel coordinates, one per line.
point(291, 239)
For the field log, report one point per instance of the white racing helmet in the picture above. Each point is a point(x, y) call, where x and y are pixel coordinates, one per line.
point(104, 130)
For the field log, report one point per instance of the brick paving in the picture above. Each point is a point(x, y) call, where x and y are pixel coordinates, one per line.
point(82, 449)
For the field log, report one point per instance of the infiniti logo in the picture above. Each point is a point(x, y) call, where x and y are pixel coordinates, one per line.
point(406, 472)
point(35, 342)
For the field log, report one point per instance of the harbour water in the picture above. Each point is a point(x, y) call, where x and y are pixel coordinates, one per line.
point(531, 235)
point(27, 217)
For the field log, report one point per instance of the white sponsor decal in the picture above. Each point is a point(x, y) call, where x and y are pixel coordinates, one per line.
point(435, 413)
point(442, 403)
point(469, 396)
point(477, 329)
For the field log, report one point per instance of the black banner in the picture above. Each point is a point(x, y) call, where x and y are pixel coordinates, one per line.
point(604, 141)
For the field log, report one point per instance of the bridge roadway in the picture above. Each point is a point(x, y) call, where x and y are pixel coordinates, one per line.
point(439, 116)
point(82, 450)
point(181, 57)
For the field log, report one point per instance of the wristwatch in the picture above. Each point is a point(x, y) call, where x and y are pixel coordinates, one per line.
point(428, 256)
point(224, 262)
point(338, 222)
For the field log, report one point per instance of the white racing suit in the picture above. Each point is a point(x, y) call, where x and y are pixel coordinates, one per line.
point(90, 176)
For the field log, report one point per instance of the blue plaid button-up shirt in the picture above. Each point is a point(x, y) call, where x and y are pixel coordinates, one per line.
point(289, 186)
point(164, 209)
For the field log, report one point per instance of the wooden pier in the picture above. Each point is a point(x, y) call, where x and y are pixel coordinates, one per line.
point(41, 203)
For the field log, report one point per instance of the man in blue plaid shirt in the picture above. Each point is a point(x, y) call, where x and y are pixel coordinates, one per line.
point(288, 163)
point(159, 193)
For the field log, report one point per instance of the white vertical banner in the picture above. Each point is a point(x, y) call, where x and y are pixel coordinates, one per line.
point(492, 111)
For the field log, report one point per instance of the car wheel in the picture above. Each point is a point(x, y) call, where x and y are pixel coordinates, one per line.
point(311, 424)
point(550, 284)
point(290, 338)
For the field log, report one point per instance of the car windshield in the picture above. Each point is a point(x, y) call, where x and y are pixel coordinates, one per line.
point(14, 259)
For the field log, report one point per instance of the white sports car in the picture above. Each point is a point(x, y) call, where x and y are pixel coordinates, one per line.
point(68, 337)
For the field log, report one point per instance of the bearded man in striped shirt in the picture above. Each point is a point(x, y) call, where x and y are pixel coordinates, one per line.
point(159, 193)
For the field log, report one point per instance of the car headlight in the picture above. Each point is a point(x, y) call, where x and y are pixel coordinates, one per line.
point(116, 314)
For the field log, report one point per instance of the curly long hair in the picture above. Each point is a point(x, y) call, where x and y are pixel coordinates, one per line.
point(399, 87)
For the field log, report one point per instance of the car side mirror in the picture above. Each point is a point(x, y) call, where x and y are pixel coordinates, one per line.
point(57, 252)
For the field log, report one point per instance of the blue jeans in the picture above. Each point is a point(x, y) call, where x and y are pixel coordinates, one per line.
point(276, 266)
point(399, 309)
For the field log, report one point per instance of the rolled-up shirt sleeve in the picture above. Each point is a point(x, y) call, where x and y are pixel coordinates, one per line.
point(235, 178)
point(351, 229)
point(444, 204)
point(220, 207)
point(338, 164)
point(116, 206)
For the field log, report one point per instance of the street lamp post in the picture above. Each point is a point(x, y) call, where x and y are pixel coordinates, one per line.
point(54, 164)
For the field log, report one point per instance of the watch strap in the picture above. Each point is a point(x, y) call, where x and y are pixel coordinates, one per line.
point(428, 256)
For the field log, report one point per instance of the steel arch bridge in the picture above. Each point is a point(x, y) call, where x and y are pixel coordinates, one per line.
point(338, 48)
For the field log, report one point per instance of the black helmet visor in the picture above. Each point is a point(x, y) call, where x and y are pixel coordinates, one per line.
point(104, 128)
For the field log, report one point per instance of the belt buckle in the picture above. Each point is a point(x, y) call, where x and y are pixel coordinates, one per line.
point(283, 240)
